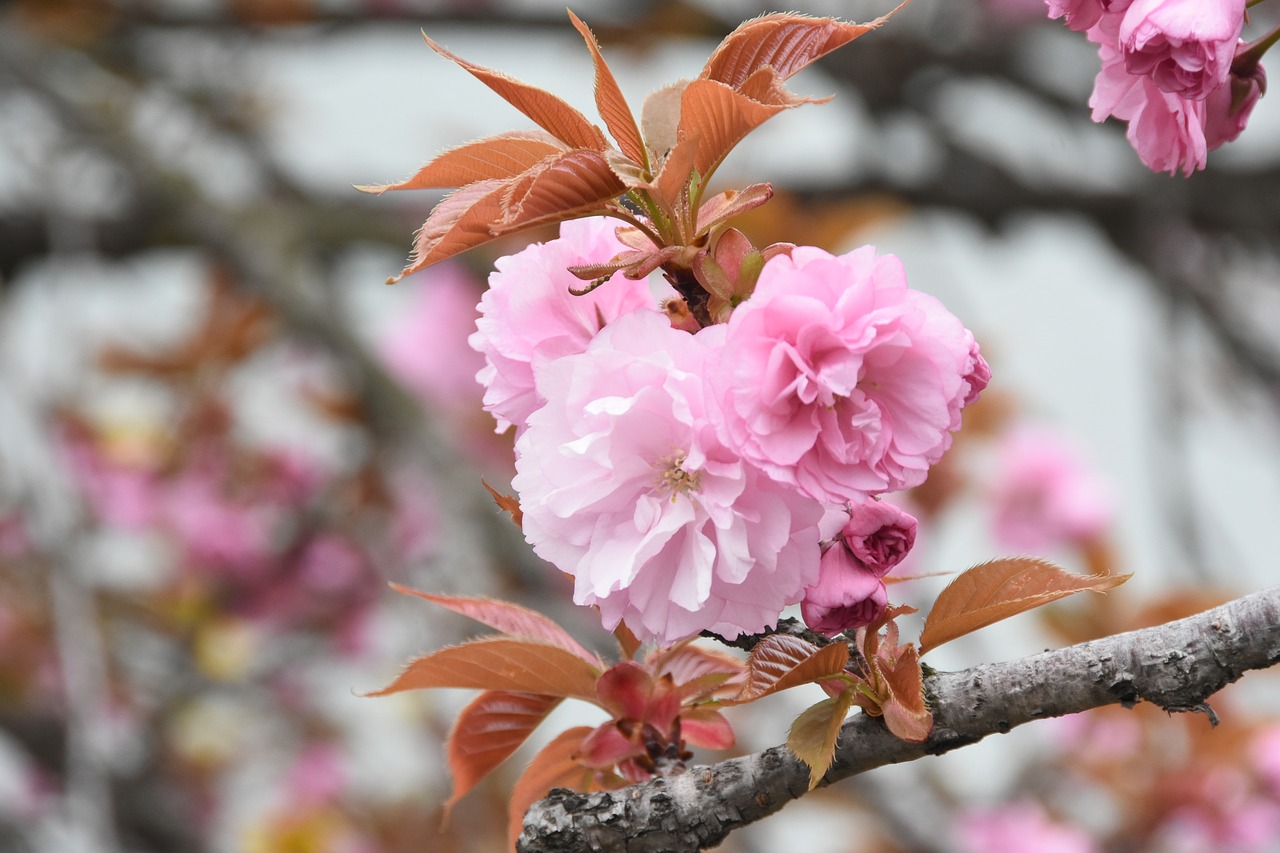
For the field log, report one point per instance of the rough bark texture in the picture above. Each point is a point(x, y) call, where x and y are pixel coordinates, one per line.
point(1176, 666)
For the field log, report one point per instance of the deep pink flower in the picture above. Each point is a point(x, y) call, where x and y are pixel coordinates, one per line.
point(625, 485)
point(529, 317)
point(1227, 109)
point(879, 535)
point(1045, 495)
point(1166, 130)
point(846, 594)
point(837, 378)
point(1184, 46)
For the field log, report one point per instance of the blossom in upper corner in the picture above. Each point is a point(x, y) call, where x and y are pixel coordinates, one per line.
point(850, 590)
point(625, 484)
point(1184, 46)
point(529, 316)
point(1080, 15)
point(837, 378)
point(1045, 495)
point(1167, 130)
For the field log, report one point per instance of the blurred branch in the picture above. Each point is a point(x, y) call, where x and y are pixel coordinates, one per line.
point(1176, 666)
point(271, 256)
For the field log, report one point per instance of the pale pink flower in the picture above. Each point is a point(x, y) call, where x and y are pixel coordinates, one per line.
point(1166, 130)
point(846, 594)
point(837, 378)
point(1045, 495)
point(1184, 46)
point(1018, 828)
point(625, 485)
point(529, 316)
point(426, 347)
point(1227, 109)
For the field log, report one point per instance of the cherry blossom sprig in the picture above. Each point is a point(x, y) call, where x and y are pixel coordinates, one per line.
point(1176, 70)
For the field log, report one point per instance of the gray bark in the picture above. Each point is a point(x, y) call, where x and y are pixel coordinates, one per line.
point(1176, 666)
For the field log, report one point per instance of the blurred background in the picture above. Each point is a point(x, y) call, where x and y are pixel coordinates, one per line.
point(221, 434)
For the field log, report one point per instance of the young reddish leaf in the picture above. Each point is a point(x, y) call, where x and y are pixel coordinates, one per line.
point(628, 643)
point(813, 734)
point(511, 619)
point(676, 171)
point(999, 589)
point(503, 156)
point(561, 187)
point(785, 42)
point(509, 504)
point(660, 119)
point(781, 661)
point(706, 728)
point(548, 111)
point(487, 731)
point(498, 663)
point(730, 203)
point(720, 117)
point(905, 713)
point(689, 664)
point(610, 102)
point(459, 222)
point(553, 767)
point(624, 690)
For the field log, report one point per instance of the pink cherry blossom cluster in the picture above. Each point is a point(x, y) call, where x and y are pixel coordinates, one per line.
point(681, 478)
point(1176, 70)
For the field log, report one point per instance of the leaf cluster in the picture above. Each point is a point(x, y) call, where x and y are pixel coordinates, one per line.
point(653, 178)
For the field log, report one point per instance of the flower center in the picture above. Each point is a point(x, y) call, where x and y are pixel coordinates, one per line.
point(672, 478)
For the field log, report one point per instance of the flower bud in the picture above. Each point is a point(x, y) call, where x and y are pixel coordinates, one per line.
point(879, 535)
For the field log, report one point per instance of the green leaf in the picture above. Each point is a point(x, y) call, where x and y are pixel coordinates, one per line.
point(813, 734)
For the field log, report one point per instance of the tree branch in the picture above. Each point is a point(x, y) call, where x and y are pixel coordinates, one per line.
point(1176, 666)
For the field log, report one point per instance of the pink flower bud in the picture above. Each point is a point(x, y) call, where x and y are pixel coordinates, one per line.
point(1227, 109)
point(845, 596)
point(1184, 46)
point(879, 535)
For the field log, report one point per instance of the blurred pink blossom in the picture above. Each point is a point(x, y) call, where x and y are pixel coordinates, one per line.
point(1265, 756)
point(1019, 828)
point(217, 532)
point(625, 485)
point(426, 348)
point(316, 777)
point(529, 317)
point(1184, 46)
point(838, 379)
point(1045, 496)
